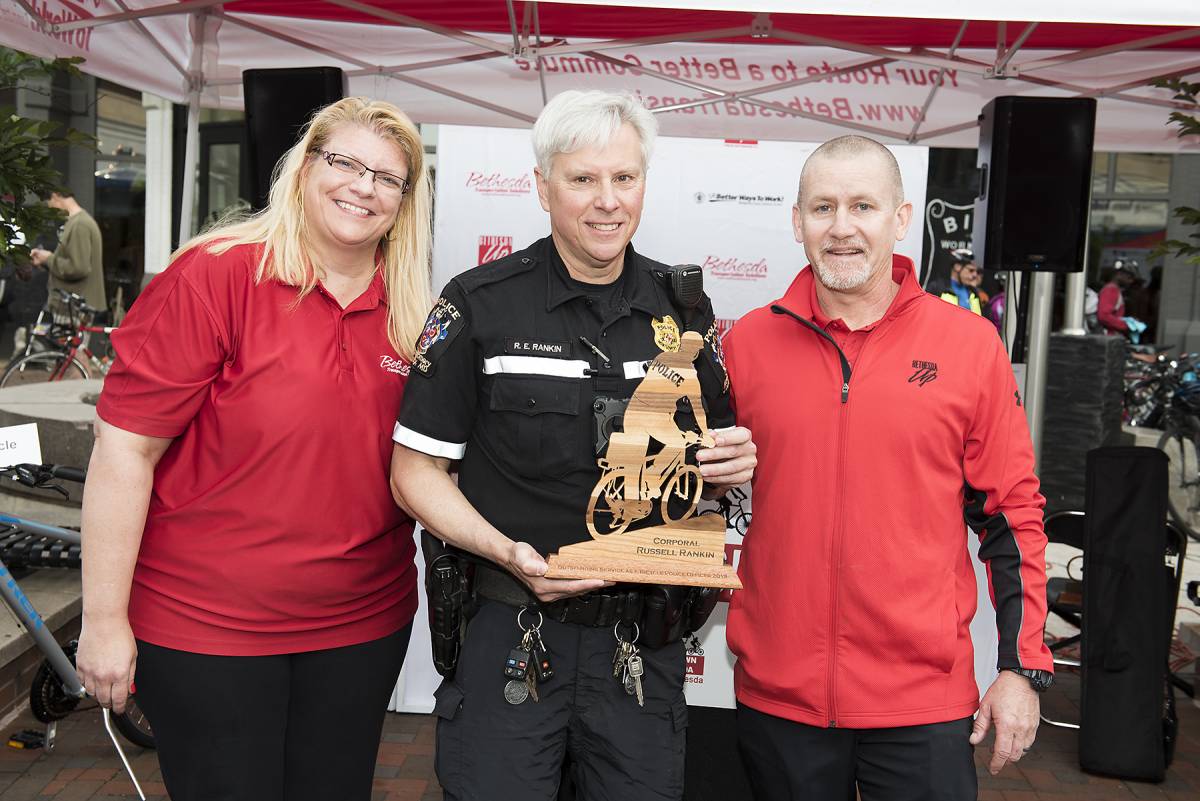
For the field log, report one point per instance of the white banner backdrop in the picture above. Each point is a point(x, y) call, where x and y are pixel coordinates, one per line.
point(725, 205)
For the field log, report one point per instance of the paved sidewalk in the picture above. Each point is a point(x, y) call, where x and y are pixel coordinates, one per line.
point(84, 766)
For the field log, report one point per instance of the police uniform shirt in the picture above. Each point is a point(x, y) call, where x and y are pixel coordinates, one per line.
point(502, 382)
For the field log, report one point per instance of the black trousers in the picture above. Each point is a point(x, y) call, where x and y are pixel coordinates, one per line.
point(490, 750)
point(788, 761)
point(294, 727)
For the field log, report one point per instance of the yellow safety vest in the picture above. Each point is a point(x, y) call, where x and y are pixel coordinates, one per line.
point(950, 297)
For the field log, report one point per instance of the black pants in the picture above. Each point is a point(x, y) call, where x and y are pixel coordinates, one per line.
point(489, 750)
point(287, 727)
point(788, 761)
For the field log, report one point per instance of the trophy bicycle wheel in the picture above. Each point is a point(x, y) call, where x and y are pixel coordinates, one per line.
point(682, 492)
point(606, 508)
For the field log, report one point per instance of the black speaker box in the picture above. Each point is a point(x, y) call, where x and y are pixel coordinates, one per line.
point(1035, 161)
point(278, 104)
point(1084, 392)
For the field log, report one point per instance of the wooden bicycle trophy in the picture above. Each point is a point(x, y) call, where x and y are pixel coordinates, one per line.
point(687, 549)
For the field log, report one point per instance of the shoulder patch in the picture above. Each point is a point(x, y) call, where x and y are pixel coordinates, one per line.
point(712, 338)
point(444, 323)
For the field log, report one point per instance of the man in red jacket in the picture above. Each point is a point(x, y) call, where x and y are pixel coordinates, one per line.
point(887, 422)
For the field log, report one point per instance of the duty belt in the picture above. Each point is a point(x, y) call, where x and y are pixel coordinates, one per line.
point(600, 608)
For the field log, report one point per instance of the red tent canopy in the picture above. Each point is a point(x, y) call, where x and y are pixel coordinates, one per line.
point(563, 20)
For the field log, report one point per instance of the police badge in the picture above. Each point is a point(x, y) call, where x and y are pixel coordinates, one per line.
point(666, 334)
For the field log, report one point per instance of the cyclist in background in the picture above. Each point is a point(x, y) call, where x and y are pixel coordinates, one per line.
point(962, 288)
point(245, 558)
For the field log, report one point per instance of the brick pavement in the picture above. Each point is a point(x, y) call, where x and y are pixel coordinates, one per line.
point(84, 766)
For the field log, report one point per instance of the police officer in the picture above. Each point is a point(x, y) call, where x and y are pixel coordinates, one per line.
point(516, 375)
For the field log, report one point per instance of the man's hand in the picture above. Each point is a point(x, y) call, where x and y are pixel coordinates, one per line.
point(730, 462)
point(39, 256)
point(1013, 706)
point(529, 567)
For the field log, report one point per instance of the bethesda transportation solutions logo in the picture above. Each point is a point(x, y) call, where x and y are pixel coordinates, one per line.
point(735, 268)
point(497, 183)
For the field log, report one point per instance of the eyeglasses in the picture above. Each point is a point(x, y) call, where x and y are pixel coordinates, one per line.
point(386, 180)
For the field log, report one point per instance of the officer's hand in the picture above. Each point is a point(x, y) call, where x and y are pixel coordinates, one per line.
point(731, 461)
point(528, 565)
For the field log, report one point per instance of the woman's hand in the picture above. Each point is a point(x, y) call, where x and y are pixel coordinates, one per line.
point(106, 660)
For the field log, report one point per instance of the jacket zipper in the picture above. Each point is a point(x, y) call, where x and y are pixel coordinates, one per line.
point(839, 534)
point(777, 309)
point(835, 562)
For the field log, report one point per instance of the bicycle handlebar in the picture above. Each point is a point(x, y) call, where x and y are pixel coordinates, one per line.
point(68, 473)
point(75, 300)
point(37, 475)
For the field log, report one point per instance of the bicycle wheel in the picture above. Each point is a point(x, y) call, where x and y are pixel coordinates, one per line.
point(133, 725)
point(684, 488)
point(602, 518)
point(1183, 480)
point(39, 368)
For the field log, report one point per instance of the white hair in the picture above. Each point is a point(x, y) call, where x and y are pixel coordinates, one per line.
point(574, 120)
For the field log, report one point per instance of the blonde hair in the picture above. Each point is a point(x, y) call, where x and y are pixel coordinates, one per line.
point(283, 232)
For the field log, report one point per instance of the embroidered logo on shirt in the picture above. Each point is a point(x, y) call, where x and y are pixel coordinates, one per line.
point(397, 366)
point(666, 334)
point(437, 328)
point(924, 373)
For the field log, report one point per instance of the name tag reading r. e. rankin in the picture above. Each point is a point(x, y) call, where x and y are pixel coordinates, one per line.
point(519, 346)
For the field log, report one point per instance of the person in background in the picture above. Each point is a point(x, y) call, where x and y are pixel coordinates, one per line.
point(76, 265)
point(963, 287)
point(1110, 306)
point(246, 562)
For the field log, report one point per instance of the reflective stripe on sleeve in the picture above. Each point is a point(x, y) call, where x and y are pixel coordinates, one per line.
point(635, 369)
point(428, 445)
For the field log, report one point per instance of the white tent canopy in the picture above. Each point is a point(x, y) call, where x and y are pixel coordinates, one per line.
point(726, 69)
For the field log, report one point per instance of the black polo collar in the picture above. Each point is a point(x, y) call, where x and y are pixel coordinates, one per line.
point(637, 289)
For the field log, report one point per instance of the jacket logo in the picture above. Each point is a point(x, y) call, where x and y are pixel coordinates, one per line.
point(924, 372)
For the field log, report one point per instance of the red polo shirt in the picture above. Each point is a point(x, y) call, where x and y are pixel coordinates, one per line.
point(271, 526)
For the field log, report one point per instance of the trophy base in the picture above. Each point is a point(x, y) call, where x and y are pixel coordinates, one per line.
point(689, 553)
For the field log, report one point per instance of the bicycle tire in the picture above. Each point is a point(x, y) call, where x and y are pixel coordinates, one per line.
point(133, 726)
point(40, 368)
point(601, 493)
point(1188, 491)
point(691, 496)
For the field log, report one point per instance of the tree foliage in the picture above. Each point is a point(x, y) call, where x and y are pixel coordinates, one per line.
point(1188, 125)
point(26, 171)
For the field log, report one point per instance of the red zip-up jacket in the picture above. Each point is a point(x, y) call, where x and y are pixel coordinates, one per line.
point(859, 590)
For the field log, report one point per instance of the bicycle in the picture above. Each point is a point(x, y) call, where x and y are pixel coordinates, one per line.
point(621, 492)
point(60, 361)
point(1177, 392)
point(56, 691)
point(732, 507)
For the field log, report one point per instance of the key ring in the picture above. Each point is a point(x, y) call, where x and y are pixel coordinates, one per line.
point(617, 631)
point(538, 627)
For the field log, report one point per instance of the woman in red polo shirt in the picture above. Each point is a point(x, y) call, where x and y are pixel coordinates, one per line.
point(244, 553)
